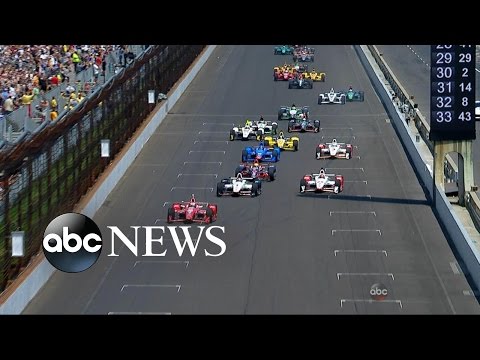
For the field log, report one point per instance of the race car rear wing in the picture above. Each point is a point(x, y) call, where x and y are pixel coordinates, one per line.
point(186, 203)
point(250, 179)
point(327, 175)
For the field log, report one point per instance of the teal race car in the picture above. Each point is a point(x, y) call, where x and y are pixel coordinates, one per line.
point(293, 112)
point(283, 50)
point(353, 95)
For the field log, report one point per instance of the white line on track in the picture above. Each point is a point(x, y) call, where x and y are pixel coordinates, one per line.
point(219, 163)
point(336, 128)
point(418, 56)
point(211, 132)
point(126, 286)
point(356, 196)
point(365, 274)
point(210, 141)
point(335, 252)
point(206, 151)
point(371, 301)
point(190, 188)
point(216, 175)
point(329, 168)
point(353, 212)
point(356, 230)
point(341, 136)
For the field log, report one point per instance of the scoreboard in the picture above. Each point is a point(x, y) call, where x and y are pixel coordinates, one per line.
point(452, 92)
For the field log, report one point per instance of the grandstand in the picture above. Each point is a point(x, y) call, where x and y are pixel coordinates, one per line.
point(35, 77)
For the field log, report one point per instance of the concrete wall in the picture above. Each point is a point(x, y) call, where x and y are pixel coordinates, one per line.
point(456, 231)
point(27, 290)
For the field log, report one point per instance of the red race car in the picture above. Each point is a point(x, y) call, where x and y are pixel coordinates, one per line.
point(192, 212)
point(257, 170)
point(282, 74)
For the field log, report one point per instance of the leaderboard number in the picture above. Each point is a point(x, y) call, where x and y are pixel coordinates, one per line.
point(465, 116)
point(443, 116)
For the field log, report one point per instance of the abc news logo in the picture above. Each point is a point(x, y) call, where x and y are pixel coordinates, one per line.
point(73, 243)
point(378, 292)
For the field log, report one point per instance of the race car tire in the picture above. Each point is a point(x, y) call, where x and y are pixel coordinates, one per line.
point(316, 129)
point(170, 215)
point(244, 156)
point(295, 145)
point(336, 187)
point(348, 154)
point(280, 114)
point(209, 216)
point(303, 185)
point(259, 136)
point(344, 100)
point(319, 100)
point(312, 58)
point(275, 78)
point(318, 155)
point(271, 174)
point(254, 190)
point(232, 135)
point(274, 129)
point(266, 143)
point(290, 86)
point(220, 189)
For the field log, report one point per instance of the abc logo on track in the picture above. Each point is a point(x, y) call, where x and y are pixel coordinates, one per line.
point(378, 292)
point(72, 242)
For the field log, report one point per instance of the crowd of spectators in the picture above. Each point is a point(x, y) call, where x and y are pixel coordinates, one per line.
point(30, 71)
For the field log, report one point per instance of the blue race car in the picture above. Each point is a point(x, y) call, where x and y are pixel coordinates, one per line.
point(261, 152)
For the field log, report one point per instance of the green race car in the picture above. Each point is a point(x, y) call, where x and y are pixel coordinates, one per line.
point(353, 95)
point(293, 113)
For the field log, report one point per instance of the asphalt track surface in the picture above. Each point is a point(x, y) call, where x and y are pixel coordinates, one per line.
point(286, 253)
point(411, 66)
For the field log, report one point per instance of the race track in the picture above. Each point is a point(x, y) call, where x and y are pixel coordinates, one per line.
point(411, 66)
point(286, 253)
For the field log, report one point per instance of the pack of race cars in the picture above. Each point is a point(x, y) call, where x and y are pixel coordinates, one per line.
point(258, 162)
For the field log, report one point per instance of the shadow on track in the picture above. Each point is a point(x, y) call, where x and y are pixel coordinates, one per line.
point(366, 198)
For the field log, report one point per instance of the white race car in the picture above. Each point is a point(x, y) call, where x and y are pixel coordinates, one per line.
point(321, 182)
point(334, 149)
point(246, 132)
point(332, 97)
point(264, 127)
point(239, 185)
